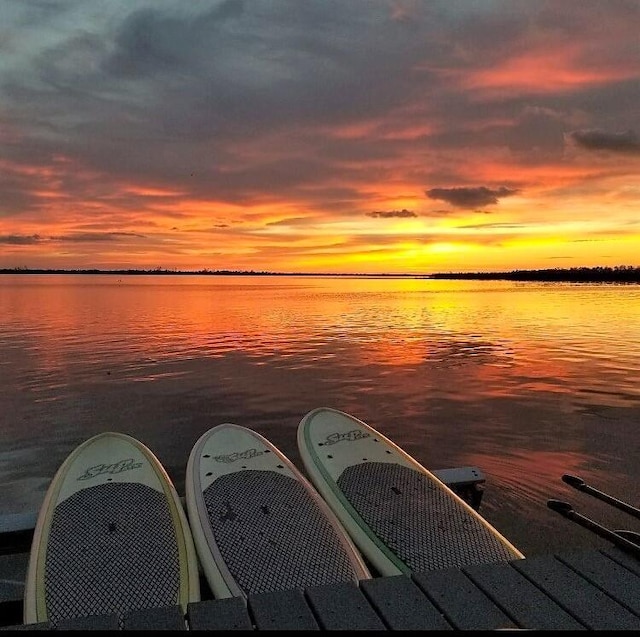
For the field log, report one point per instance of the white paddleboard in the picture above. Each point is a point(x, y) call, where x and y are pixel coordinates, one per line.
point(258, 524)
point(401, 516)
point(111, 536)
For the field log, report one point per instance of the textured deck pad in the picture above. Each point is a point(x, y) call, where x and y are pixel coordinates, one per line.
point(417, 519)
point(111, 548)
point(272, 535)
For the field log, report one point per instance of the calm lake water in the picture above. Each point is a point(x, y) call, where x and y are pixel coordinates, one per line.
point(525, 381)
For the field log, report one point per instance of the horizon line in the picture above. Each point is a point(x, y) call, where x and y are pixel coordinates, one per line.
point(618, 269)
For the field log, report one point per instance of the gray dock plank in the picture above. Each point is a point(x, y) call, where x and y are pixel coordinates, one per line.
point(402, 605)
point(582, 599)
point(163, 618)
point(623, 558)
point(219, 614)
point(577, 589)
point(521, 600)
point(343, 607)
point(464, 605)
point(282, 610)
point(614, 579)
point(90, 622)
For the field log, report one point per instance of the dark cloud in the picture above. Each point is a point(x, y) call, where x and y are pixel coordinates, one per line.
point(91, 237)
point(470, 197)
point(149, 41)
point(79, 237)
point(291, 221)
point(236, 69)
point(478, 226)
point(596, 139)
point(20, 239)
point(386, 214)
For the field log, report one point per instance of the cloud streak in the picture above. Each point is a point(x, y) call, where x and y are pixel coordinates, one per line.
point(85, 237)
point(391, 214)
point(619, 142)
point(20, 240)
point(470, 197)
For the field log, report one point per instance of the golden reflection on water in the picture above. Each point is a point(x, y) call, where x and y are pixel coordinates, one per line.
point(555, 335)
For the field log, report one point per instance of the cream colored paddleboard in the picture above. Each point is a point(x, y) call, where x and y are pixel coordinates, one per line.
point(400, 515)
point(257, 522)
point(111, 536)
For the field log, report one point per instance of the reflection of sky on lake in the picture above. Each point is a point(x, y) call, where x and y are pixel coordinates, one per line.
point(525, 381)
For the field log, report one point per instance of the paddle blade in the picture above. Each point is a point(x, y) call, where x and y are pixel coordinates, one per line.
point(559, 506)
point(573, 481)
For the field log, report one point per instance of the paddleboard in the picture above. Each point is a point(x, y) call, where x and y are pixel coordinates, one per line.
point(111, 536)
point(401, 516)
point(258, 524)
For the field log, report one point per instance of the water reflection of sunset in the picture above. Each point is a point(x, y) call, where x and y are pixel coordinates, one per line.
point(420, 325)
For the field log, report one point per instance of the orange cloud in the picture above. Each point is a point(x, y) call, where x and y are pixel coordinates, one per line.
point(548, 69)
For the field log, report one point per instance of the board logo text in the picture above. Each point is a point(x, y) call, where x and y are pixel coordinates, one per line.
point(116, 467)
point(354, 434)
point(238, 455)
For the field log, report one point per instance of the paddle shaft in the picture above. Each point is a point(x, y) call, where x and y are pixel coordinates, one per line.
point(598, 529)
point(632, 536)
point(580, 485)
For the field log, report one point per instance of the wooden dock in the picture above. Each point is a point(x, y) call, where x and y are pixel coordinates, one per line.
point(587, 589)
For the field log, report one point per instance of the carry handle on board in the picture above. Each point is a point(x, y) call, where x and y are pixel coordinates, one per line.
point(581, 485)
point(628, 541)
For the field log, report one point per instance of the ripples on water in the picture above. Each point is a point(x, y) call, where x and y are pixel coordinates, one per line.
point(525, 381)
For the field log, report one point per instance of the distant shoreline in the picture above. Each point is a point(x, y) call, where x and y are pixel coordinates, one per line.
point(617, 274)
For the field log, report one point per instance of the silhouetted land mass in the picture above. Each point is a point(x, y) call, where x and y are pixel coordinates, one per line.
point(598, 274)
point(174, 272)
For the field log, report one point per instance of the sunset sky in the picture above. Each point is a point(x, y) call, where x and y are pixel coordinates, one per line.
point(372, 136)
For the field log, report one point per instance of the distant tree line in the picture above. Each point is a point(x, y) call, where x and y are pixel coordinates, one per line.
point(205, 271)
point(125, 271)
point(602, 274)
